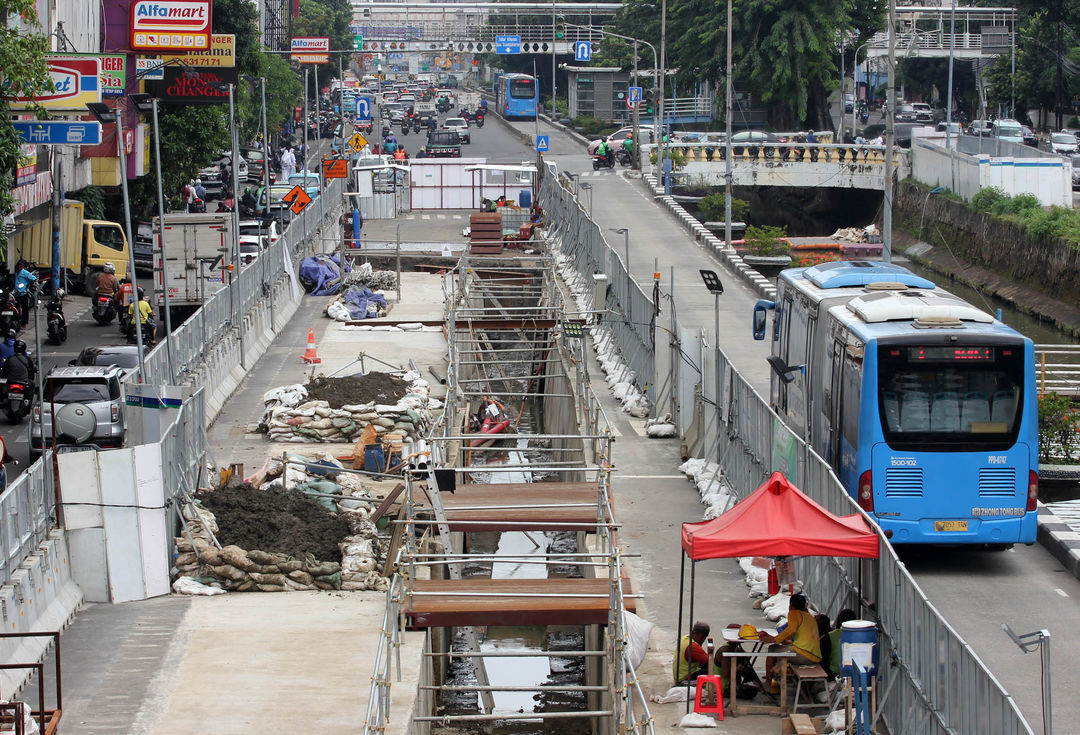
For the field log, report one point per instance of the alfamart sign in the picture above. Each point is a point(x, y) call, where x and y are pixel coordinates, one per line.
point(170, 25)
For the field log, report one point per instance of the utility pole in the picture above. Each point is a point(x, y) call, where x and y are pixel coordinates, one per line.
point(662, 160)
point(728, 94)
point(890, 139)
point(636, 162)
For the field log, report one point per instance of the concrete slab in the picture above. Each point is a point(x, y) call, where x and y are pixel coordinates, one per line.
point(290, 662)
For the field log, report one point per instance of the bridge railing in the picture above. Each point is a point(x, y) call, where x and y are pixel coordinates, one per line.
point(710, 151)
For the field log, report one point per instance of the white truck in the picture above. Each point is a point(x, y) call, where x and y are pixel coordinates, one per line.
point(199, 248)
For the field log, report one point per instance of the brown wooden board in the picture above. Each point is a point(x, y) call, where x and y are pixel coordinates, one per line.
point(583, 495)
point(465, 608)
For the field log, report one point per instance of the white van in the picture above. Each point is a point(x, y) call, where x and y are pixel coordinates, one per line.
point(1008, 129)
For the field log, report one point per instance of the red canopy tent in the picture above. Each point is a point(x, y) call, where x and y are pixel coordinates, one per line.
point(777, 519)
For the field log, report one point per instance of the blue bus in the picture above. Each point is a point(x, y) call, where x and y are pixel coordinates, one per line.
point(517, 96)
point(924, 405)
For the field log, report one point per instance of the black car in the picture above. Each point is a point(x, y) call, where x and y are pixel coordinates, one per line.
point(125, 356)
point(1029, 136)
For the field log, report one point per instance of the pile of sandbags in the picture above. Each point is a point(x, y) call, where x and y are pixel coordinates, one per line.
point(620, 377)
point(235, 569)
point(365, 275)
point(290, 417)
point(716, 494)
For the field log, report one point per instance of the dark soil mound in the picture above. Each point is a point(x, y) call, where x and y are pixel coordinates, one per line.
point(338, 392)
point(276, 521)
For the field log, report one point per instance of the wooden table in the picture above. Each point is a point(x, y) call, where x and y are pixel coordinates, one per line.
point(731, 635)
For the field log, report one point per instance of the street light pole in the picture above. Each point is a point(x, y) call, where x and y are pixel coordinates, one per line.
point(161, 242)
point(728, 94)
point(661, 137)
point(890, 138)
point(135, 318)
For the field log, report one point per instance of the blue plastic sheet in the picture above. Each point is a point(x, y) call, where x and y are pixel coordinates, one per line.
point(321, 274)
point(357, 299)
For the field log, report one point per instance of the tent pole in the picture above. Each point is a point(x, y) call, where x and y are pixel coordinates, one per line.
point(690, 648)
point(678, 629)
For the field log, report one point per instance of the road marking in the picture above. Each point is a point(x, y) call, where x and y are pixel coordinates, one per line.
point(1061, 592)
point(440, 216)
point(457, 216)
point(425, 216)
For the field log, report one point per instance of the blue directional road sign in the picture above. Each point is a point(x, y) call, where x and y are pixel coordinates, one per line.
point(582, 50)
point(363, 108)
point(49, 132)
point(635, 95)
point(542, 144)
point(508, 44)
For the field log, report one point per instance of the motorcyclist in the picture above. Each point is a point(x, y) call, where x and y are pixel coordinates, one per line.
point(389, 145)
point(7, 347)
point(432, 123)
point(604, 151)
point(23, 280)
point(146, 312)
point(628, 146)
point(107, 284)
point(483, 105)
point(123, 293)
point(247, 202)
point(19, 367)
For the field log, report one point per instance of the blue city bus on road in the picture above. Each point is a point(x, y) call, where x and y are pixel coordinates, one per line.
point(924, 405)
point(517, 96)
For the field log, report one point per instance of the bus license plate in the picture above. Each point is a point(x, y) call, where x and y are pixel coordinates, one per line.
point(950, 525)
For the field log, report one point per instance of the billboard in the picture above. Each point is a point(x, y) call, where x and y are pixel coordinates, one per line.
point(310, 50)
point(200, 87)
point(170, 25)
point(76, 81)
point(222, 53)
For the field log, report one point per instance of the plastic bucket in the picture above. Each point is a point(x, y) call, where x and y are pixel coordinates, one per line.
point(858, 642)
point(374, 459)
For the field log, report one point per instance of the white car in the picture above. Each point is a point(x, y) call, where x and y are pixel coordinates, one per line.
point(252, 231)
point(460, 125)
point(1063, 143)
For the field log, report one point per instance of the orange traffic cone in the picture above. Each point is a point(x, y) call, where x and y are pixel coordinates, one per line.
point(309, 356)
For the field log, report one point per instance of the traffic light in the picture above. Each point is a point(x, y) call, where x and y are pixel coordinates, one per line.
point(649, 103)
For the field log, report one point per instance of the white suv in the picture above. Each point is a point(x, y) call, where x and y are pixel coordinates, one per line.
point(89, 405)
point(459, 125)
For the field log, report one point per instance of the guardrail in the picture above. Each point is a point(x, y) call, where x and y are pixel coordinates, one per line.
point(28, 510)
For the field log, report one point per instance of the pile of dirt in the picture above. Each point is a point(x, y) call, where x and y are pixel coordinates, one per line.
point(276, 520)
point(371, 388)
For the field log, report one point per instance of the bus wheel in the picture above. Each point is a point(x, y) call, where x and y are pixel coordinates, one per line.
point(998, 547)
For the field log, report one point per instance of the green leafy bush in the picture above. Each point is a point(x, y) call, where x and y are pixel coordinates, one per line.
point(590, 126)
point(1059, 424)
point(767, 240)
point(1026, 211)
point(712, 206)
point(986, 199)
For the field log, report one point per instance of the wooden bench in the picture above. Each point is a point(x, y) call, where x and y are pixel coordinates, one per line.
point(807, 674)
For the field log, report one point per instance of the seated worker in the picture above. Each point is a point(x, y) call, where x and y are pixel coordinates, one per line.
point(831, 661)
point(692, 661)
point(799, 637)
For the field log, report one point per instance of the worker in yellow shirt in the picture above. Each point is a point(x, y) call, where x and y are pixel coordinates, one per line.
point(800, 637)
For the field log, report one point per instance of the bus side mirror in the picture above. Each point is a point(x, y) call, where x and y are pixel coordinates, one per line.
point(760, 317)
point(785, 372)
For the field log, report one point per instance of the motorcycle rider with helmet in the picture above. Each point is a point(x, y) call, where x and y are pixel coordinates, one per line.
point(19, 367)
point(7, 347)
point(107, 284)
point(146, 312)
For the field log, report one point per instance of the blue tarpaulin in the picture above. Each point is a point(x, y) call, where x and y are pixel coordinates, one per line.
point(321, 274)
point(357, 299)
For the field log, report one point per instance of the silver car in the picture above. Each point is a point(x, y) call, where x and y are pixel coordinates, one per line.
point(89, 407)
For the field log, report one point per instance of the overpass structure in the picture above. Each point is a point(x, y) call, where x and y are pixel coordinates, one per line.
point(935, 32)
point(475, 27)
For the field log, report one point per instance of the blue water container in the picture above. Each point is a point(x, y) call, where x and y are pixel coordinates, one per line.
point(525, 198)
point(858, 642)
point(374, 459)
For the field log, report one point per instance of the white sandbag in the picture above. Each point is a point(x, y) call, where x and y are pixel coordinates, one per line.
point(693, 719)
point(661, 431)
point(638, 630)
point(691, 466)
point(410, 326)
point(674, 694)
point(188, 586)
point(338, 311)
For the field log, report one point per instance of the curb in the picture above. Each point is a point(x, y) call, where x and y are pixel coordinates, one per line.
point(711, 242)
point(1057, 537)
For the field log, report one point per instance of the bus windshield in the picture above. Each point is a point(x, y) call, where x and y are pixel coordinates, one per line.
point(937, 396)
point(523, 89)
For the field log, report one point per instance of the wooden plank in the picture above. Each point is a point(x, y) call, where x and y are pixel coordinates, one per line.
point(387, 502)
point(461, 607)
point(395, 542)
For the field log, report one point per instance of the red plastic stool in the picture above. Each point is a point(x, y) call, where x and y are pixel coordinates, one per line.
point(717, 708)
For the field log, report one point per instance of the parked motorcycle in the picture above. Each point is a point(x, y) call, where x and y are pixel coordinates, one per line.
point(10, 311)
point(17, 397)
point(103, 310)
point(56, 323)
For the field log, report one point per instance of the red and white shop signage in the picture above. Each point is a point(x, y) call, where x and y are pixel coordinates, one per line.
point(170, 25)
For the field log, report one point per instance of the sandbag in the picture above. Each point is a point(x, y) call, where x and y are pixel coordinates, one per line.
point(235, 556)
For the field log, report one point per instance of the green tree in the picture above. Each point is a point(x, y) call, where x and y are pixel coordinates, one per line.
point(22, 64)
point(326, 18)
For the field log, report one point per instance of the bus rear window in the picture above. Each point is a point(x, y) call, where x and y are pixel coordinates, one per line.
point(945, 396)
point(523, 89)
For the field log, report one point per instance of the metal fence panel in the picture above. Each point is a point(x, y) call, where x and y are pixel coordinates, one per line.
point(28, 508)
